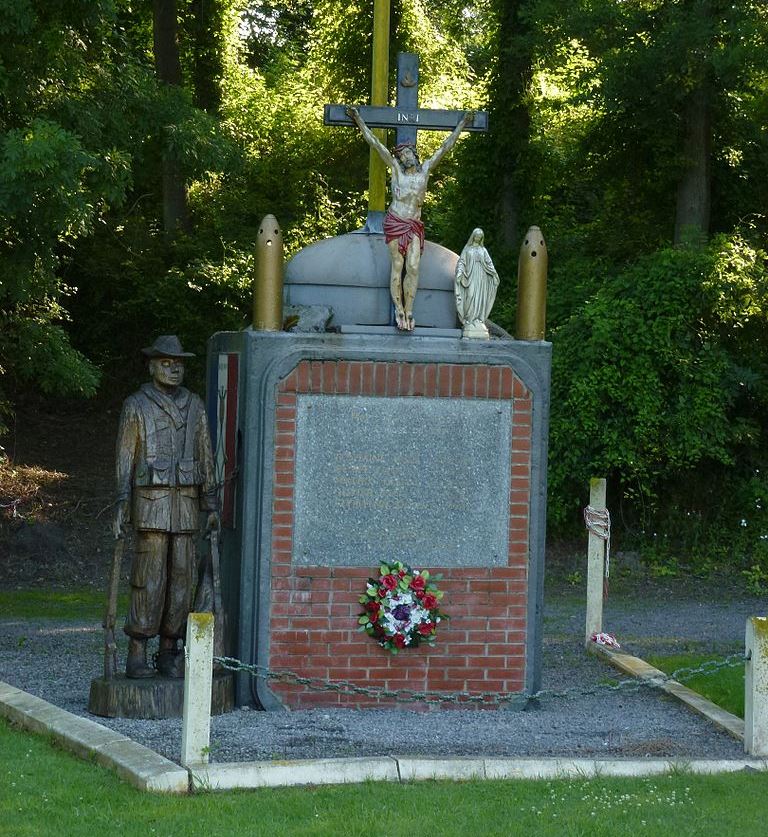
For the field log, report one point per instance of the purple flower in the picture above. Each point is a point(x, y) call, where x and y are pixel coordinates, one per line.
point(402, 613)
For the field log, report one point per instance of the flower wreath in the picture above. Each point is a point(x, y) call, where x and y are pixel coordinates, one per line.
point(401, 608)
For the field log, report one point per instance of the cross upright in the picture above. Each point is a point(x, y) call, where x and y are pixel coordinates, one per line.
point(405, 117)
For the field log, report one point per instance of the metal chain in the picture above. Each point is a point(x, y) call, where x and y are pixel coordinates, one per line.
point(412, 696)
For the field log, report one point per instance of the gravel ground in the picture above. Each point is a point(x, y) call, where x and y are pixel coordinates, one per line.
point(56, 660)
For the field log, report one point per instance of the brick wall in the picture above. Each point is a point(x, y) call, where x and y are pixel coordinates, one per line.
point(314, 610)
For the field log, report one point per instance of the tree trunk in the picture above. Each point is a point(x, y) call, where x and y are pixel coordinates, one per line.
point(168, 69)
point(511, 120)
point(694, 189)
point(204, 26)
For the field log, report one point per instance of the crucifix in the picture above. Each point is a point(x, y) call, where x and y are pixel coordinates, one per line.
point(406, 118)
point(401, 224)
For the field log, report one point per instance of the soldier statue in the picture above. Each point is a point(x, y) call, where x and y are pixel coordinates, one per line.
point(165, 479)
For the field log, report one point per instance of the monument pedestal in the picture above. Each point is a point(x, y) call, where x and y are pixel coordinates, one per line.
point(153, 698)
point(357, 449)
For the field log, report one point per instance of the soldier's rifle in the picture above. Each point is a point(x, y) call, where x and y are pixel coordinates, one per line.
point(110, 615)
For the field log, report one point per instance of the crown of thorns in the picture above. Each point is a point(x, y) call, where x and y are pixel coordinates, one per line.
point(398, 148)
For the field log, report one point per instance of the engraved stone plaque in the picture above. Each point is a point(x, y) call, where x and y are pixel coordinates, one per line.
point(421, 480)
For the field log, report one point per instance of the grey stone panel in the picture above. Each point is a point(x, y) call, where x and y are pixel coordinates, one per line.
point(420, 480)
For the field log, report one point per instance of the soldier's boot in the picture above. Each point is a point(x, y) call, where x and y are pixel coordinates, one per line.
point(170, 659)
point(136, 665)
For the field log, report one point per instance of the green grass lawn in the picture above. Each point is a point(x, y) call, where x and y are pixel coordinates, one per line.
point(87, 603)
point(45, 791)
point(725, 687)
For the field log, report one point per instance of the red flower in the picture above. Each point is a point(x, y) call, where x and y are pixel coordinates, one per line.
point(389, 582)
point(429, 601)
point(373, 608)
point(399, 641)
point(418, 582)
point(382, 592)
point(420, 595)
point(401, 573)
point(425, 629)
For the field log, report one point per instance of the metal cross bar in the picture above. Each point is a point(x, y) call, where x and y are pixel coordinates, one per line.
point(424, 119)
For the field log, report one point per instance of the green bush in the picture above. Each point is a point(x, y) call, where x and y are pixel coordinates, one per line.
point(659, 385)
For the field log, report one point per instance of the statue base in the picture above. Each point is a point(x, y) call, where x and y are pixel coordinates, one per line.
point(154, 698)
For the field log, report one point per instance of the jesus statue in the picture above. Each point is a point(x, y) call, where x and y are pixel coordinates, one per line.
point(403, 227)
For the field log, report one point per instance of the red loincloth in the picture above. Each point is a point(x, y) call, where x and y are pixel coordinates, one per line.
point(402, 230)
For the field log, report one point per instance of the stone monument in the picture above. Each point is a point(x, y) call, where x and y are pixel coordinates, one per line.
point(369, 444)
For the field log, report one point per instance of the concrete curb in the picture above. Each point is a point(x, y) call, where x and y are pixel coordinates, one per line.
point(248, 775)
point(644, 671)
point(138, 765)
point(147, 770)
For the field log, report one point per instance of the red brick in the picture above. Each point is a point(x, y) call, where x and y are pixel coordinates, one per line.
point(481, 382)
point(282, 505)
point(419, 379)
point(444, 380)
point(285, 453)
point(393, 379)
point(367, 384)
point(342, 377)
point(468, 381)
point(486, 635)
point(282, 492)
point(284, 478)
point(494, 382)
point(282, 519)
point(282, 531)
point(406, 379)
point(519, 390)
point(457, 376)
point(379, 379)
point(456, 599)
point(285, 426)
point(522, 406)
point(303, 376)
point(316, 376)
point(356, 378)
point(430, 380)
point(314, 572)
point(288, 384)
point(282, 608)
point(521, 420)
point(281, 570)
point(285, 414)
point(495, 585)
point(466, 572)
point(507, 381)
point(286, 399)
point(518, 524)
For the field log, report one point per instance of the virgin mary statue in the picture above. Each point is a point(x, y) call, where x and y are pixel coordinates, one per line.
point(476, 285)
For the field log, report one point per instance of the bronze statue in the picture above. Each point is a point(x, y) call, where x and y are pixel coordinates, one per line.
point(403, 227)
point(165, 478)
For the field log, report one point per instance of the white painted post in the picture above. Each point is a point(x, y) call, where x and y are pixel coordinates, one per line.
point(595, 566)
point(756, 687)
point(198, 679)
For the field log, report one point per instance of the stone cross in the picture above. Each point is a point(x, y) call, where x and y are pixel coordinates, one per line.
point(406, 117)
